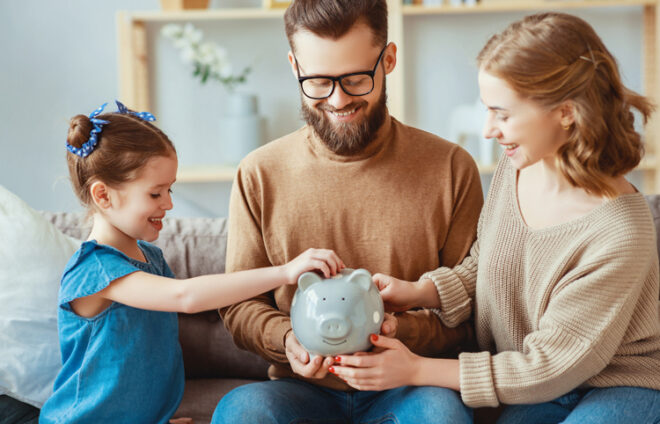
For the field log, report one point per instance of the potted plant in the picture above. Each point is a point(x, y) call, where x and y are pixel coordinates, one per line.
point(241, 128)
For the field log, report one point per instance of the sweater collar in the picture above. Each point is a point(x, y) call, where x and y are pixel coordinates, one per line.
point(384, 134)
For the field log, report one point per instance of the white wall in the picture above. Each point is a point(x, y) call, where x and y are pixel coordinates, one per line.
point(59, 58)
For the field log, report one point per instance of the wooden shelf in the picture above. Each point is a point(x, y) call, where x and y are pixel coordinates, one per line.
point(516, 6)
point(205, 173)
point(134, 84)
point(222, 173)
point(205, 14)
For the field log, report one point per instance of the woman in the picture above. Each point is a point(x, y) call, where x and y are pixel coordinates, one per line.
point(563, 277)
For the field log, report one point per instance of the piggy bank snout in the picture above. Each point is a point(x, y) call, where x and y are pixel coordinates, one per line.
point(334, 327)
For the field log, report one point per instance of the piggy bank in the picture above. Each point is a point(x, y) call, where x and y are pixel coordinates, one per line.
point(336, 315)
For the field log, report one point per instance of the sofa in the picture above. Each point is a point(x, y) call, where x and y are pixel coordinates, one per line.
point(213, 363)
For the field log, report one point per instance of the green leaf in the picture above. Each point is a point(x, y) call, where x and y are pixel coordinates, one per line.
point(205, 74)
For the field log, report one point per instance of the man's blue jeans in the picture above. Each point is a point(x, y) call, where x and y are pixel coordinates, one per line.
point(612, 405)
point(293, 401)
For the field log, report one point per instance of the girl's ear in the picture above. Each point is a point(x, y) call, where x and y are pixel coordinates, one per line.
point(100, 195)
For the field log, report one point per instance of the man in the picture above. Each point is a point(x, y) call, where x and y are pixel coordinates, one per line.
point(384, 196)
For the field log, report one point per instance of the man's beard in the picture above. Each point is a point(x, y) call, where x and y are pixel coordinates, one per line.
point(346, 139)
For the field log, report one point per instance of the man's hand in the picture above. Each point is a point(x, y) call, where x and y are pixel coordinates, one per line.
point(389, 326)
point(301, 363)
point(387, 329)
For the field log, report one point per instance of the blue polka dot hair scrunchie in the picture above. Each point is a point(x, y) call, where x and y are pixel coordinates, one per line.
point(87, 148)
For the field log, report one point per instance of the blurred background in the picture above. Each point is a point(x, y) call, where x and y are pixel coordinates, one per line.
point(60, 58)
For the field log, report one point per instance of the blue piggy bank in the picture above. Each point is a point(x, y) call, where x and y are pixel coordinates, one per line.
point(336, 316)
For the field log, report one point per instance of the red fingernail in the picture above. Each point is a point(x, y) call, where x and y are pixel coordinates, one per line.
point(331, 369)
point(337, 358)
point(374, 337)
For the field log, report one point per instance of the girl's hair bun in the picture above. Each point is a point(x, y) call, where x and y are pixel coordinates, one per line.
point(79, 130)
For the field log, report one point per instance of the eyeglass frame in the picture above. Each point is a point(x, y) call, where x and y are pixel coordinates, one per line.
point(338, 79)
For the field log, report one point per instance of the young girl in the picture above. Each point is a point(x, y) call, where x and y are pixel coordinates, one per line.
point(563, 276)
point(118, 331)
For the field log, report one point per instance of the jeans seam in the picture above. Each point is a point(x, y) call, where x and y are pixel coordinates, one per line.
point(389, 417)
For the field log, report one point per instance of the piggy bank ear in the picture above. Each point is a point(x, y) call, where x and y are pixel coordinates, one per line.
point(362, 278)
point(307, 279)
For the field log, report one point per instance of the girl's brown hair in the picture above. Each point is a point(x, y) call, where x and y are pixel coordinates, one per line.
point(554, 57)
point(124, 146)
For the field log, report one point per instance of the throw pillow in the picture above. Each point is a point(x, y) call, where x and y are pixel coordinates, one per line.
point(33, 254)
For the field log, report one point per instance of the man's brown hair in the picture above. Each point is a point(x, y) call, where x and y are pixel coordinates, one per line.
point(334, 18)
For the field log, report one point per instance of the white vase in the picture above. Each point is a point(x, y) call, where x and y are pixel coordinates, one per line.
point(241, 127)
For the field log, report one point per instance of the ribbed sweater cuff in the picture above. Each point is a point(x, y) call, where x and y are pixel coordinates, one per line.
point(477, 386)
point(454, 303)
point(274, 340)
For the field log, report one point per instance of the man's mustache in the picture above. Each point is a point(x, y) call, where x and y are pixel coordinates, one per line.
point(349, 107)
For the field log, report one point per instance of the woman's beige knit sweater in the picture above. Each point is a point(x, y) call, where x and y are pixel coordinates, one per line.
point(570, 305)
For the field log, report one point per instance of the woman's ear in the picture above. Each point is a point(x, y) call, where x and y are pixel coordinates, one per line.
point(100, 195)
point(567, 113)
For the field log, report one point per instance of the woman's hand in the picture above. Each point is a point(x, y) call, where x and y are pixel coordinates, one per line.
point(324, 260)
point(395, 366)
point(398, 295)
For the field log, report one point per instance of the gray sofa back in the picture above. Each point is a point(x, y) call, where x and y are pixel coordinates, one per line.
point(197, 246)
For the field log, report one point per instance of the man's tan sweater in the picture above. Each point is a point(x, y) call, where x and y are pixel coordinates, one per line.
point(409, 203)
point(570, 305)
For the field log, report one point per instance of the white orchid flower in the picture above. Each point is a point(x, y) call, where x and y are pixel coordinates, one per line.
point(172, 31)
point(209, 60)
point(192, 34)
point(188, 55)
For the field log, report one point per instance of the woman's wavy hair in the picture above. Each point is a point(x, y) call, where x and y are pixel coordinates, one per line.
point(554, 57)
point(124, 146)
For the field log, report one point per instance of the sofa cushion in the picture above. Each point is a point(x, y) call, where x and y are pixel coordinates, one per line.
point(654, 204)
point(33, 254)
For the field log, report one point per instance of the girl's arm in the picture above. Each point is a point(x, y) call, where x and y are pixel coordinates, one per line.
point(153, 292)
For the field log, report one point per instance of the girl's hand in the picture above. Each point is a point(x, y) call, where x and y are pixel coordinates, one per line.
point(324, 260)
point(395, 366)
point(398, 295)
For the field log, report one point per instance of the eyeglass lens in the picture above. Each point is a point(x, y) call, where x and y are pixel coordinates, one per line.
point(354, 85)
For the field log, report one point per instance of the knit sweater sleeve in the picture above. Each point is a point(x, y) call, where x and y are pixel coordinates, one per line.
point(255, 324)
point(456, 288)
point(583, 323)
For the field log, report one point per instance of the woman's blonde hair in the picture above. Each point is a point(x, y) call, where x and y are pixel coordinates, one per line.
point(554, 57)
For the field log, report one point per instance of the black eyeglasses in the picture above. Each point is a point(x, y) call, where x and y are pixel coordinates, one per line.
point(354, 84)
